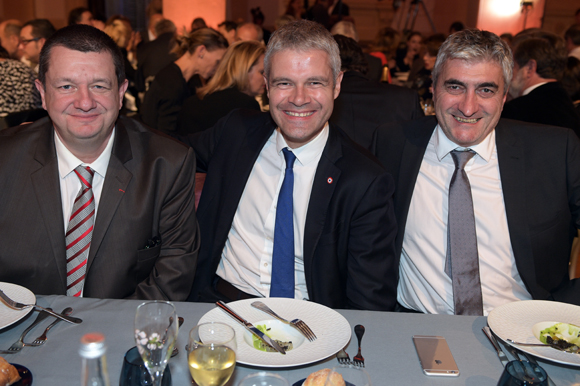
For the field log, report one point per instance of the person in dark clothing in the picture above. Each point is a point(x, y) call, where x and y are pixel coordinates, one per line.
point(199, 54)
point(238, 80)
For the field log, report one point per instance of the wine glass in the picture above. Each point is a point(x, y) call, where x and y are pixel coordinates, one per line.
point(155, 334)
point(263, 379)
point(212, 353)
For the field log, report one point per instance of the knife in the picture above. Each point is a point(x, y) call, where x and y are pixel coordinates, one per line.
point(502, 357)
point(250, 327)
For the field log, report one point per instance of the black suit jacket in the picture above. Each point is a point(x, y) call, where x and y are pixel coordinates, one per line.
point(540, 178)
point(148, 192)
point(350, 229)
point(153, 57)
point(548, 104)
point(363, 105)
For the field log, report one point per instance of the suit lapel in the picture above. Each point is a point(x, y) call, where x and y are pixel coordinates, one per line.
point(512, 172)
point(325, 180)
point(45, 181)
point(416, 141)
point(116, 182)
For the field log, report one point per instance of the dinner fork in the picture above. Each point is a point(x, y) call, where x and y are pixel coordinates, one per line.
point(342, 357)
point(42, 338)
point(359, 330)
point(19, 306)
point(17, 346)
point(297, 323)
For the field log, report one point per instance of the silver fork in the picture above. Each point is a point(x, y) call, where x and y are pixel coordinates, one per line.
point(19, 306)
point(17, 346)
point(297, 323)
point(342, 357)
point(42, 338)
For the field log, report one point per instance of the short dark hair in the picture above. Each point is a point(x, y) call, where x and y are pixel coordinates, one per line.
point(571, 78)
point(198, 23)
point(41, 28)
point(76, 14)
point(546, 49)
point(11, 28)
point(165, 26)
point(433, 43)
point(456, 26)
point(574, 34)
point(228, 25)
point(83, 38)
point(351, 55)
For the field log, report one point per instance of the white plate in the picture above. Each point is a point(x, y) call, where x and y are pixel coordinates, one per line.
point(331, 329)
point(20, 294)
point(515, 321)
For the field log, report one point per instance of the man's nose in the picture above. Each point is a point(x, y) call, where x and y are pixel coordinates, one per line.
point(84, 99)
point(299, 96)
point(468, 104)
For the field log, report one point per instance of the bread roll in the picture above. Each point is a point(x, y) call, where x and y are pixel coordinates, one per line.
point(319, 378)
point(8, 373)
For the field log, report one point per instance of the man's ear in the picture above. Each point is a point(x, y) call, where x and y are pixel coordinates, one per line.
point(40, 89)
point(531, 67)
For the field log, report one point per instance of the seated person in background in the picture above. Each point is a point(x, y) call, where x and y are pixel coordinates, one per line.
point(237, 81)
point(571, 81)
point(423, 82)
point(487, 207)
point(291, 207)
point(249, 31)
point(199, 53)
point(80, 15)
point(362, 104)
point(408, 54)
point(91, 204)
point(17, 91)
point(572, 38)
point(33, 35)
point(228, 29)
point(540, 59)
point(198, 23)
point(10, 37)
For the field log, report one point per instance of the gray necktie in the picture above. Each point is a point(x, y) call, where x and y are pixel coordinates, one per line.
point(462, 263)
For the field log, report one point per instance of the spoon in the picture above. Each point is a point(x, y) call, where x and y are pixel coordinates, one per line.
point(572, 349)
point(175, 350)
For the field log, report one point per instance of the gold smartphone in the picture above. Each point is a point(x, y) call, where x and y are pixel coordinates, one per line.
point(435, 357)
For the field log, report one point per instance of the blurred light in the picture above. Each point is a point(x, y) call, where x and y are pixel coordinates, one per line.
point(505, 7)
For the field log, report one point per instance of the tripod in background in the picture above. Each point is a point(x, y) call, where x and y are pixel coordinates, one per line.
point(414, 11)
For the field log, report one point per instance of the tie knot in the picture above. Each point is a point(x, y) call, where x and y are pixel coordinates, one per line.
point(85, 174)
point(461, 158)
point(289, 157)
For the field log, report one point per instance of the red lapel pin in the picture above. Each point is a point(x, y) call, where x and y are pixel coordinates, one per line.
point(329, 180)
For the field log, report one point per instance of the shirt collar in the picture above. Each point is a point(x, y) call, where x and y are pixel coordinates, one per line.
point(309, 152)
point(443, 145)
point(532, 88)
point(67, 161)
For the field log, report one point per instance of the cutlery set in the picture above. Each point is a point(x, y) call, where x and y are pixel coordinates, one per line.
point(43, 314)
point(358, 359)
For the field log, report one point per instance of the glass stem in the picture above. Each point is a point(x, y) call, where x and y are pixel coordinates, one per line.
point(157, 377)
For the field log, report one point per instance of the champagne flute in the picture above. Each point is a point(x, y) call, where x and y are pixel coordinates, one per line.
point(155, 334)
point(212, 353)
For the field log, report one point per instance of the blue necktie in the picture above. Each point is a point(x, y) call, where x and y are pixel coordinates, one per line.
point(283, 256)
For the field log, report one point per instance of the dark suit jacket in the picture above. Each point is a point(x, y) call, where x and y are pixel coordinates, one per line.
point(540, 177)
point(548, 104)
point(349, 257)
point(200, 114)
point(148, 192)
point(152, 57)
point(363, 105)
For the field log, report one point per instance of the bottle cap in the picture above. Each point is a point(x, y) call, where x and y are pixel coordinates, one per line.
point(92, 345)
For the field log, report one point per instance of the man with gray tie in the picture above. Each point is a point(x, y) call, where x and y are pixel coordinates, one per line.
point(487, 208)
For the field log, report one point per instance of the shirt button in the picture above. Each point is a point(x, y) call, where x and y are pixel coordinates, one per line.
point(265, 264)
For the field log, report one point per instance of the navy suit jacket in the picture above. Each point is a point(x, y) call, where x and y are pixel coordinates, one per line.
point(540, 177)
point(350, 229)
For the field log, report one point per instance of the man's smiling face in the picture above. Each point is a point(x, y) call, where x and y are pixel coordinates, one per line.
point(301, 90)
point(469, 98)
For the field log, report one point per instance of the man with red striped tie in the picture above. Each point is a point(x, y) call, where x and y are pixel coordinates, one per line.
point(93, 204)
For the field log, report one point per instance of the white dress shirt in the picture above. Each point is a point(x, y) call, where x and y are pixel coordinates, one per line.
point(70, 185)
point(532, 88)
point(247, 256)
point(423, 283)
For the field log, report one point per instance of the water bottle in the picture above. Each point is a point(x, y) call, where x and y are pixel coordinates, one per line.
point(92, 352)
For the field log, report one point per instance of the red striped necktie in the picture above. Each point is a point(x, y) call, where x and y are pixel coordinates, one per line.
point(80, 232)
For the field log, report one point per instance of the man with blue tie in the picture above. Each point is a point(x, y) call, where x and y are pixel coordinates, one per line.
point(291, 207)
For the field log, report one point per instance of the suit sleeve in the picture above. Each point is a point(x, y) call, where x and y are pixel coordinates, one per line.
point(174, 269)
point(372, 263)
point(570, 293)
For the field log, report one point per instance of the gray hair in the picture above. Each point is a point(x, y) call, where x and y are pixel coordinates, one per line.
point(473, 46)
point(303, 35)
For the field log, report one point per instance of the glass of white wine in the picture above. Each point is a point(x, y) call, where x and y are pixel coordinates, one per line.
point(212, 353)
point(156, 328)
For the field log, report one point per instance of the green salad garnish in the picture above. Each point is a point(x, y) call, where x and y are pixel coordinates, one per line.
point(260, 345)
point(563, 335)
